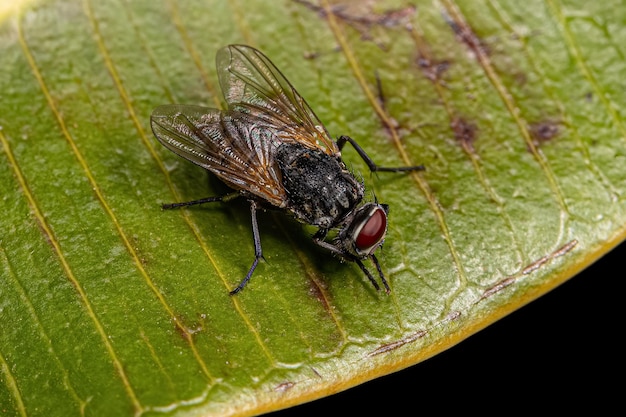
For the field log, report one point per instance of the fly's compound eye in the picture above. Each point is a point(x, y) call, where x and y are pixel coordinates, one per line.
point(371, 230)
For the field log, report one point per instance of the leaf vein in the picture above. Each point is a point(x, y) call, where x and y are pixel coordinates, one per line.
point(11, 384)
point(193, 53)
point(577, 54)
point(466, 145)
point(434, 205)
point(564, 116)
point(133, 115)
point(48, 231)
point(35, 317)
point(193, 227)
point(464, 32)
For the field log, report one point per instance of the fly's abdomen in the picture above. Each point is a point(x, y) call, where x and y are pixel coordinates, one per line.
point(319, 189)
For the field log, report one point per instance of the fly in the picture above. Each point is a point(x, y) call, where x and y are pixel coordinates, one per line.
point(270, 147)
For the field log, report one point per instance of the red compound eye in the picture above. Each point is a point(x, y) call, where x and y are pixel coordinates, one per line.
point(373, 231)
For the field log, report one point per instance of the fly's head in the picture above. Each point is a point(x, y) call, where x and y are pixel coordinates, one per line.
point(364, 230)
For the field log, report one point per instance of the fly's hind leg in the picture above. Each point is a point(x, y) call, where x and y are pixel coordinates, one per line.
point(223, 198)
point(258, 252)
point(371, 164)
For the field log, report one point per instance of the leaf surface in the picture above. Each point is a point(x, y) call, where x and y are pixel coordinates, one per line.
point(116, 307)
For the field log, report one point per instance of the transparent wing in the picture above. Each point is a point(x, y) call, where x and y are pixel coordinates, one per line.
point(252, 84)
point(236, 147)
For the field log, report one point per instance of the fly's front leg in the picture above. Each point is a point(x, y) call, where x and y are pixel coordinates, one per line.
point(258, 252)
point(318, 238)
point(380, 273)
point(370, 276)
point(372, 166)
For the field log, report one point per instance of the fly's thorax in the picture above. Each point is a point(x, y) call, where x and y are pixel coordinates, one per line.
point(320, 190)
point(364, 230)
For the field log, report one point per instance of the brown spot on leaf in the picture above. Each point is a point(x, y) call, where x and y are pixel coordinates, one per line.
point(499, 286)
point(359, 15)
point(464, 132)
point(185, 331)
point(315, 371)
point(544, 131)
point(507, 281)
point(285, 386)
point(316, 289)
point(432, 69)
point(311, 55)
point(397, 344)
point(466, 35)
point(453, 315)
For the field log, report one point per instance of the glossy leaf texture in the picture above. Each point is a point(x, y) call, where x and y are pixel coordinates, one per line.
point(111, 306)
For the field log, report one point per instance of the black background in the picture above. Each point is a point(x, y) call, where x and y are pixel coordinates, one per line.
point(562, 352)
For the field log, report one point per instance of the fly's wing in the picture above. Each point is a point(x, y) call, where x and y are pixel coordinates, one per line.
point(235, 147)
point(252, 84)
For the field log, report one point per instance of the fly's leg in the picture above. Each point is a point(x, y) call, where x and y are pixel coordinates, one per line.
point(369, 276)
point(224, 198)
point(371, 164)
point(258, 252)
point(318, 238)
point(380, 273)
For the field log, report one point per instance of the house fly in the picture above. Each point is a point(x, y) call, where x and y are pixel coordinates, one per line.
point(272, 150)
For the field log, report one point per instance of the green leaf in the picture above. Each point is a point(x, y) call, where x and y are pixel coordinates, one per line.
point(111, 306)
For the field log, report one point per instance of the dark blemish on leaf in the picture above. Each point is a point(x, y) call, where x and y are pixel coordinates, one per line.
point(500, 285)
point(184, 331)
point(393, 123)
point(453, 315)
point(397, 344)
point(380, 93)
point(465, 34)
point(311, 55)
point(362, 18)
point(504, 283)
point(544, 131)
point(565, 248)
point(316, 373)
point(433, 70)
point(464, 132)
point(397, 17)
point(557, 253)
point(285, 386)
point(589, 97)
point(354, 16)
point(316, 290)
